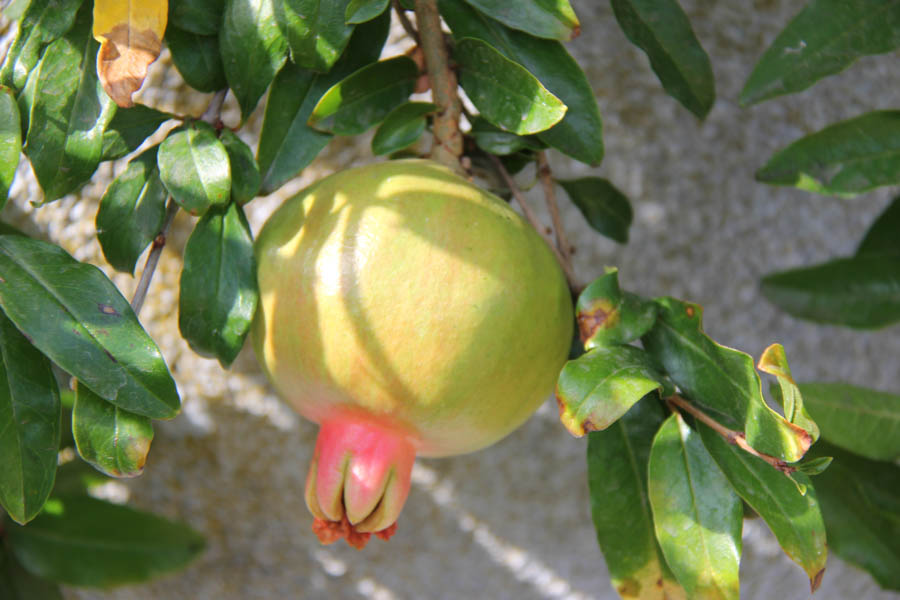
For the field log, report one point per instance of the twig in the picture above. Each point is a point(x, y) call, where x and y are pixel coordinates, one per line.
point(532, 218)
point(562, 240)
point(140, 293)
point(735, 438)
point(404, 21)
point(448, 141)
point(213, 112)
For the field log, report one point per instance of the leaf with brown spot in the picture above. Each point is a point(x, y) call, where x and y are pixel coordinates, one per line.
point(608, 316)
point(130, 36)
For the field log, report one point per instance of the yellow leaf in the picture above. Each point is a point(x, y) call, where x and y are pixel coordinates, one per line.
point(130, 34)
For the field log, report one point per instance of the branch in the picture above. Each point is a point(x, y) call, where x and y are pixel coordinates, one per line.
point(213, 112)
point(140, 293)
point(404, 21)
point(448, 141)
point(562, 240)
point(735, 438)
point(574, 286)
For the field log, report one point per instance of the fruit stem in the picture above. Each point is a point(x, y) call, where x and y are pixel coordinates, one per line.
point(448, 141)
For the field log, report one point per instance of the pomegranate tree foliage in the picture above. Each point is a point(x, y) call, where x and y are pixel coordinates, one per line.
point(681, 440)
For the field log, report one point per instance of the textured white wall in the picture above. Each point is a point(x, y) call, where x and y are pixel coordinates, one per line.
point(513, 521)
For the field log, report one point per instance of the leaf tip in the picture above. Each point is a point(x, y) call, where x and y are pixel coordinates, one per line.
point(816, 581)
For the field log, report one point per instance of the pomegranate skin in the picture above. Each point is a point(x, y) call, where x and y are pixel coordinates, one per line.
point(401, 295)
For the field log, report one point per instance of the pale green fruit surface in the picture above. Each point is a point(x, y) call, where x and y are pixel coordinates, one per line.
point(403, 293)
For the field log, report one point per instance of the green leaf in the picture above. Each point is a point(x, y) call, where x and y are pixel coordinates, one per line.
point(79, 540)
point(245, 177)
point(501, 143)
point(287, 144)
point(846, 158)
point(580, 133)
point(316, 30)
point(861, 292)
point(194, 167)
point(551, 19)
point(608, 316)
point(503, 91)
point(197, 58)
point(401, 127)
point(606, 209)
point(365, 98)
point(617, 461)
point(696, 514)
point(720, 379)
point(774, 362)
point(70, 110)
point(203, 17)
point(863, 421)
point(131, 212)
point(129, 128)
point(598, 387)
point(25, 100)
point(43, 22)
point(10, 141)
point(882, 238)
point(814, 466)
point(18, 584)
point(78, 318)
point(14, 9)
point(113, 440)
point(794, 518)
point(860, 501)
point(662, 30)
point(826, 37)
point(29, 425)
point(361, 11)
point(253, 49)
point(218, 285)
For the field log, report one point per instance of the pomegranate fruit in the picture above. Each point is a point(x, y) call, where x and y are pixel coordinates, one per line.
point(407, 312)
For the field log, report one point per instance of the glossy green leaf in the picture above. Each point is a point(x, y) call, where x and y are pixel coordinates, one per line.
point(29, 425)
point(720, 379)
point(113, 440)
point(361, 11)
point(253, 49)
point(287, 144)
point(245, 177)
point(580, 133)
point(882, 238)
point(18, 584)
point(598, 387)
point(814, 466)
point(129, 128)
point(131, 212)
point(203, 17)
point(10, 141)
point(551, 19)
point(316, 30)
point(696, 514)
point(826, 37)
point(78, 318)
point(795, 519)
point(861, 292)
point(194, 167)
point(864, 421)
point(617, 477)
point(365, 98)
point(608, 316)
point(43, 22)
point(496, 141)
point(79, 540)
point(606, 209)
point(401, 127)
point(218, 285)
point(503, 91)
point(25, 101)
point(197, 58)
point(860, 501)
point(662, 30)
point(774, 362)
point(846, 158)
point(70, 110)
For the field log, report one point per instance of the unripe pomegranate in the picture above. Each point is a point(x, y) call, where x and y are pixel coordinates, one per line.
point(407, 312)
